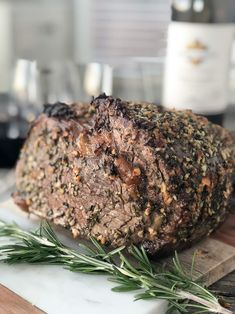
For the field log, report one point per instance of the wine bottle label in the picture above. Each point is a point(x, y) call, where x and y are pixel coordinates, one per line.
point(197, 66)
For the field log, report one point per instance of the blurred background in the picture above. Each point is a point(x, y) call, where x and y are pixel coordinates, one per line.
point(69, 50)
point(56, 32)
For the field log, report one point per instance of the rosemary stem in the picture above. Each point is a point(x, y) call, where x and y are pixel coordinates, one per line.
point(213, 307)
point(108, 267)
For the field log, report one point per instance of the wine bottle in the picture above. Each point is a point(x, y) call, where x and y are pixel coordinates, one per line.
point(200, 38)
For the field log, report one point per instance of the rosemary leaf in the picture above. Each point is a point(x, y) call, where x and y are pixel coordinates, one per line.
point(138, 273)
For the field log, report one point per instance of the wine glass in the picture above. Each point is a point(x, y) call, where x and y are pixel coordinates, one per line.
point(70, 82)
point(139, 79)
point(25, 101)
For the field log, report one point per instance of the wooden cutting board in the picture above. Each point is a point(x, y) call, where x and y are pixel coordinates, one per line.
point(11, 303)
point(215, 258)
point(215, 255)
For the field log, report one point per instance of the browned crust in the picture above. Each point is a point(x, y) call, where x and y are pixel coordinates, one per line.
point(127, 173)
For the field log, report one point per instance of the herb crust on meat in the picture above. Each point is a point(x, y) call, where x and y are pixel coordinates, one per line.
point(127, 173)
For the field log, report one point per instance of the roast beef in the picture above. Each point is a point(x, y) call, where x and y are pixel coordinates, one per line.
point(127, 173)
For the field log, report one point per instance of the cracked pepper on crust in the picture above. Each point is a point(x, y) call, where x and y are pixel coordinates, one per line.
point(126, 173)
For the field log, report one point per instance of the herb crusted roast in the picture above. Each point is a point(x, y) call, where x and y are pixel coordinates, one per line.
point(126, 173)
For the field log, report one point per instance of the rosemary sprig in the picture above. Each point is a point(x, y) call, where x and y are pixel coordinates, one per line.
point(174, 285)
